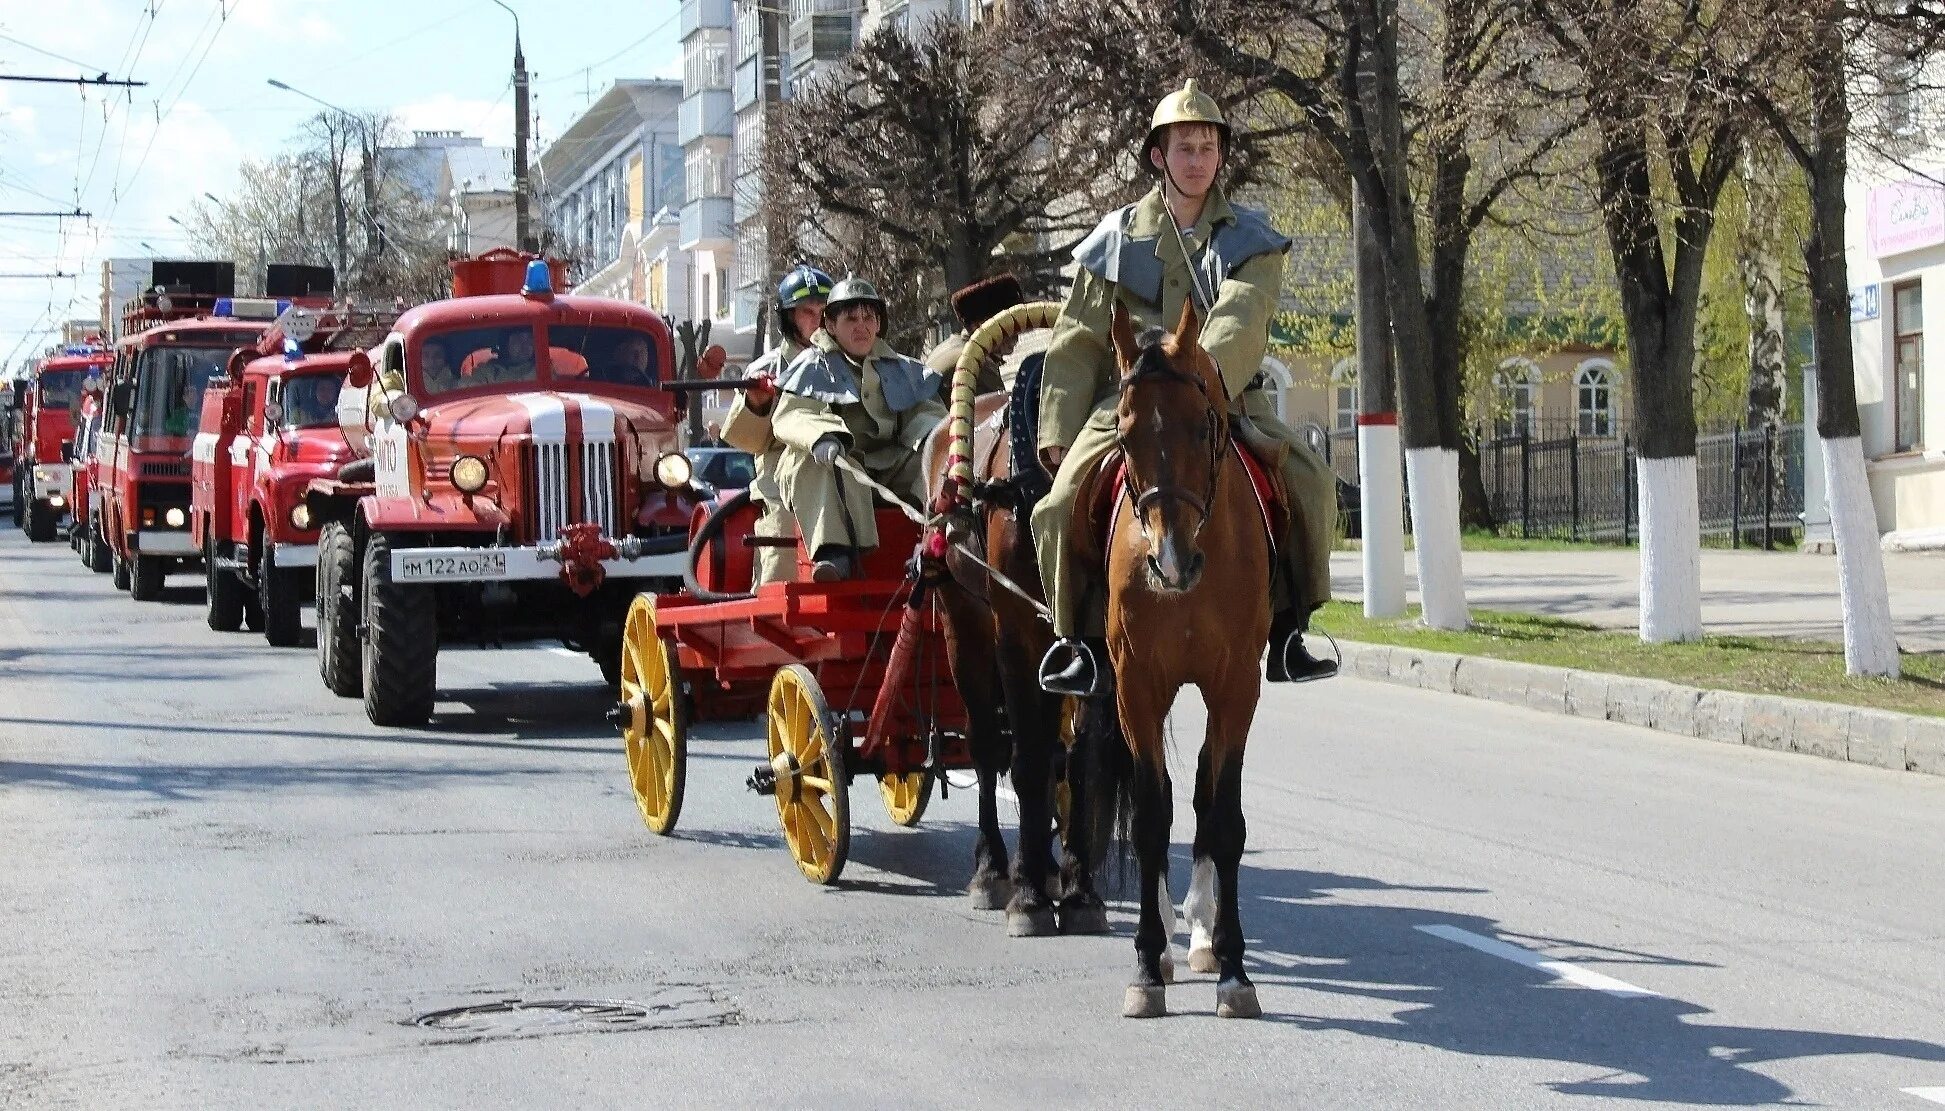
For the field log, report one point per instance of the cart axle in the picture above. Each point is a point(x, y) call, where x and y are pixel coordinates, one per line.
point(763, 780)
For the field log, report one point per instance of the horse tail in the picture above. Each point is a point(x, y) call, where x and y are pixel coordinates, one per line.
point(1110, 780)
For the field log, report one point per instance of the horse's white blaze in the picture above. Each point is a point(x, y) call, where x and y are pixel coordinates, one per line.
point(1671, 551)
point(1434, 476)
point(1870, 644)
point(1200, 905)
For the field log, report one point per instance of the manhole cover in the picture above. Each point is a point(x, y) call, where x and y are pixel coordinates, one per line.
point(670, 1009)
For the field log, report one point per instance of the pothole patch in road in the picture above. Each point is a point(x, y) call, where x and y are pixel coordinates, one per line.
point(674, 1007)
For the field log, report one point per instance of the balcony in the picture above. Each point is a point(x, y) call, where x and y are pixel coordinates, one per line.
point(710, 112)
point(707, 223)
point(829, 31)
point(700, 14)
point(749, 82)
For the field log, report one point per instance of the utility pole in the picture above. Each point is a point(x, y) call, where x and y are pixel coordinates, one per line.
point(522, 190)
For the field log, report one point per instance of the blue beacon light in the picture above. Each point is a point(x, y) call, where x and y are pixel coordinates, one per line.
point(540, 280)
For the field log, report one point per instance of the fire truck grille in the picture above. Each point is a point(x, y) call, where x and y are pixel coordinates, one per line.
point(570, 483)
point(175, 469)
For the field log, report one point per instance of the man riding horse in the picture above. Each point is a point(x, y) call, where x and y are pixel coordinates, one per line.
point(1183, 240)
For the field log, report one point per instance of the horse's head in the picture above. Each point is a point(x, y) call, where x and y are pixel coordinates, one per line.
point(1173, 428)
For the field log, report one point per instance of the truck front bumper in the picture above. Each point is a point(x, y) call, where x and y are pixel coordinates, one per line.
point(447, 565)
point(293, 555)
point(152, 542)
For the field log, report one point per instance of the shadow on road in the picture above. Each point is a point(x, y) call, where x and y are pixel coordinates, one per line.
point(191, 782)
point(1451, 998)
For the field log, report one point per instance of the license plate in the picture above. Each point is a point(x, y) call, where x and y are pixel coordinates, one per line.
point(469, 567)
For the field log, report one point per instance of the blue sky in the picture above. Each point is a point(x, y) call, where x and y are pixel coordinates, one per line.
point(432, 63)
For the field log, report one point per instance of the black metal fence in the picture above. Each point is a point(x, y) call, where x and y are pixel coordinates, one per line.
point(1560, 483)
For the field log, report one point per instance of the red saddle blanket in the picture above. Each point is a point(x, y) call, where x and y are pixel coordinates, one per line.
point(1111, 482)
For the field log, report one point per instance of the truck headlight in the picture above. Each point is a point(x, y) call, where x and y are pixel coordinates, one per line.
point(674, 469)
point(403, 407)
point(175, 518)
point(300, 517)
point(468, 474)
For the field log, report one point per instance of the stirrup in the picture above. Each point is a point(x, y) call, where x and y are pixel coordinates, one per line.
point(1080, 678)
point(1291, 662)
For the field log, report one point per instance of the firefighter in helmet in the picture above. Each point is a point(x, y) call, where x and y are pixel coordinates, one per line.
point(799, 309)
point(1183, 240)
point(851, 395)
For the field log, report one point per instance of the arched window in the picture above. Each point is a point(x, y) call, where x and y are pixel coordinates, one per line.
point(1343, 395)
point(1594, 397)
point(1515, 387)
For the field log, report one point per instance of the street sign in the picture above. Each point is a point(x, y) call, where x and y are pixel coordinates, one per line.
point(1864, 303)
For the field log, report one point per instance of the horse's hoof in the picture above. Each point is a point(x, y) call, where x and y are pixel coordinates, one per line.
point(1168, 968)
point(991, 894)
point(1038, 922)
point(1142, 1001)
point(1204, 960)
point(1087, 918)
point(1237, 1001)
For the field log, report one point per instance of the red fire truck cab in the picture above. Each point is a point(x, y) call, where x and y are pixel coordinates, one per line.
point(269, 427)
point(46, 401)
point(524, 481)
point(164, 360)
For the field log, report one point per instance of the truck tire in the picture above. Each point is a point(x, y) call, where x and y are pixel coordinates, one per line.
point(120, 567)
point(19, 502)
point(145, 580)
point(277, 597)
point(40, 521)
point(224, 605)
point(94, 549)
point(401, 642)
point(340, 654)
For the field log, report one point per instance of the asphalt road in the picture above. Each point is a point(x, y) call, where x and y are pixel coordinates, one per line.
point(222, 888)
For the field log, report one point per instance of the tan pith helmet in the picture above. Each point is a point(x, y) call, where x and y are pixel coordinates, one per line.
point(1187, 104)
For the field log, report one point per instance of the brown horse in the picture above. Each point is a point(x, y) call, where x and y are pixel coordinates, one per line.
point(1188, 586)
point(994, 640)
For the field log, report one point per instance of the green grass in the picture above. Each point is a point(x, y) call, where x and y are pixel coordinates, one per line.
point(1756, 665)
point(1479, 540)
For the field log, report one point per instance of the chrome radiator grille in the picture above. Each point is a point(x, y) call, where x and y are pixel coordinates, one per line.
point(556, 474)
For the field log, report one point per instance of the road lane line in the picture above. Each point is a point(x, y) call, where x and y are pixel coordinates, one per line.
point(1564, 970)
point(1934, 1095)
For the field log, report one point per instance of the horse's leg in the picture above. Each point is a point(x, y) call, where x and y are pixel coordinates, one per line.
point(1031, 911)
point(1154, 811)
point(1199, 907)
point(1083, 847)
point(970, 648)
point(1228, 730)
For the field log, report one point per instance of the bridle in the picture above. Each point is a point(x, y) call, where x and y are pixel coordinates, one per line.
point(1150, 368)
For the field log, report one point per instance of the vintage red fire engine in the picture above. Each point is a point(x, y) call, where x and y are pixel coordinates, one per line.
point(171, 346)
point(523, 481)
point(82, 495)
point(269, 427)
point(45, 402)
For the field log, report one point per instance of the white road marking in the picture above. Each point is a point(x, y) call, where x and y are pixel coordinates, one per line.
point(1571, 973)
point(1934, 1095)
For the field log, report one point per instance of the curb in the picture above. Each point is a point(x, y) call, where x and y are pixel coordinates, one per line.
point(1879, 738)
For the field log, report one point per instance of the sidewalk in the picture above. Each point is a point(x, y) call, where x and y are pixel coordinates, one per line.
point(1752, 592)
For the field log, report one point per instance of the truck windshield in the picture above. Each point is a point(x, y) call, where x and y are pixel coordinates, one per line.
point(61, 389)
point(311, 402)
point(470, 357)
point(622, 356)
point(169, 394)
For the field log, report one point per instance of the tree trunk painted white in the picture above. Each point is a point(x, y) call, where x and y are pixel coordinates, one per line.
point(1434, 476)
point(1870, 643)
point(1382, 517)
point(1671, 551)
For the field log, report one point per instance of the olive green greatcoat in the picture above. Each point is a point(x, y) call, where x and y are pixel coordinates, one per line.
point(1080, 390)
point(885, 443)
point(750, 430)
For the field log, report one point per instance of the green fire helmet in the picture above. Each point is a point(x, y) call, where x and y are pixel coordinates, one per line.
point(855, 291)
point(1185, 105)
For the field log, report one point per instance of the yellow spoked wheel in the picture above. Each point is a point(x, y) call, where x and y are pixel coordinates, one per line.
point(906, 796)
point(654, 720)
point(813, 791)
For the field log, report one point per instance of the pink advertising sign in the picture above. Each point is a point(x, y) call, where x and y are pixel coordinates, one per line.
point(1905, 217)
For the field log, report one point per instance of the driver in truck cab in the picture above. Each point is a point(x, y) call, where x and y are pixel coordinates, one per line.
point(513, 362)
point(631, 362)
point(435, 368)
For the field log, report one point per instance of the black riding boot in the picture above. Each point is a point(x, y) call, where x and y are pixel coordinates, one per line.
point(1072, 667)
point(1290, 661)
point(833, 563)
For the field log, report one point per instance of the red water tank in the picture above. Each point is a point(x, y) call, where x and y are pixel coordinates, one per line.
point(726, 564)
point(500, 270)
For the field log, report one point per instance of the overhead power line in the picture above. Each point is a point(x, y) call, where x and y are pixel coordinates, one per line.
point(103, 79)
point(76, 212)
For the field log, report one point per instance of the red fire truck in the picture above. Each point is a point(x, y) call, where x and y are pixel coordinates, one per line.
point(82, 535)
point(45, 402)
point(269, 427)
point(523, 481)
